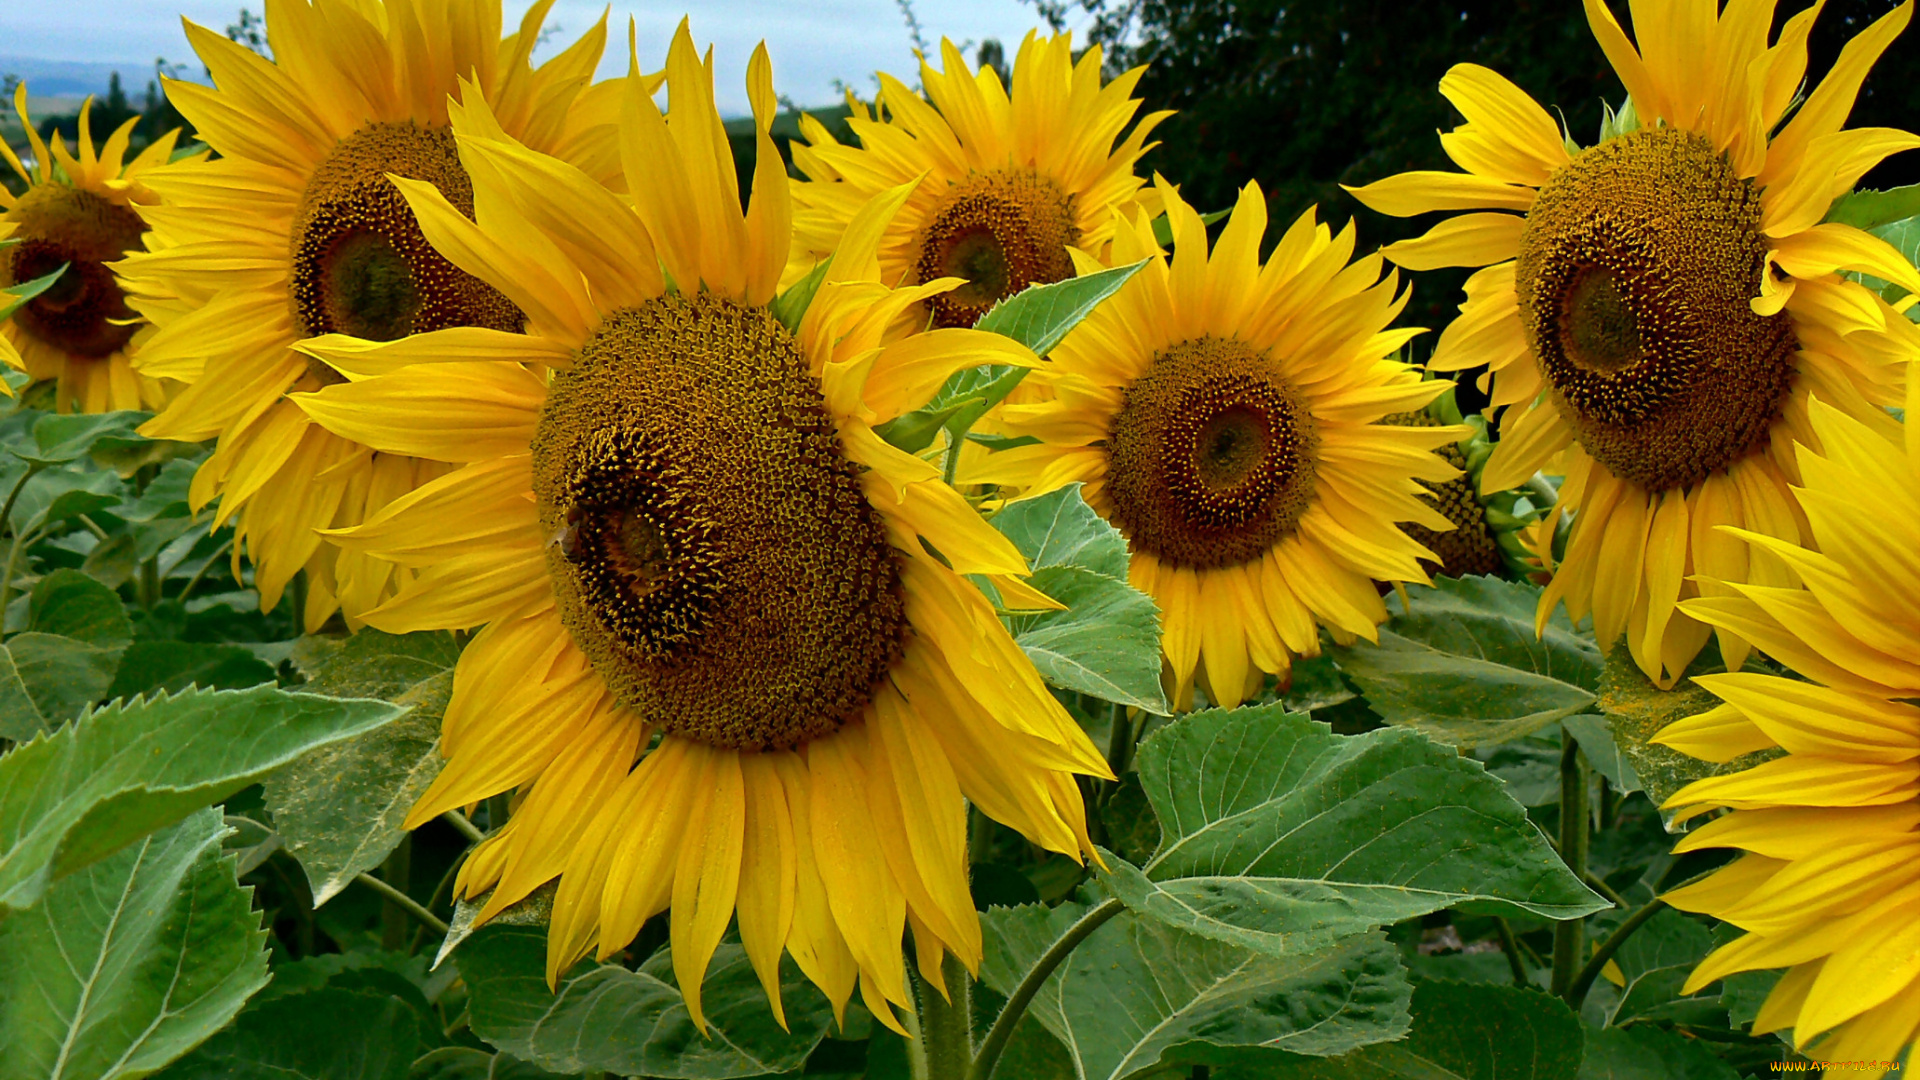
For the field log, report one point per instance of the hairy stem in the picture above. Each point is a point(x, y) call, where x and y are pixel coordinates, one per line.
point(404, 902)
point(946, 1027)
point(463, 826)
point(1022, 996)
point(1570, 937)
point(1583, 981)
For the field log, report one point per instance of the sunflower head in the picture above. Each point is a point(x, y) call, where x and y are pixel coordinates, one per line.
point(675, 520)
point(1654, 311)
point(1224, 412)
point(1481, 536)
point(80, 211)
point(1005, 180)
point(1827, 885)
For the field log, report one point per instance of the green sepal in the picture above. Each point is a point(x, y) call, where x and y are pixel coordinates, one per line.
point(1163, 228)
point(790, 307)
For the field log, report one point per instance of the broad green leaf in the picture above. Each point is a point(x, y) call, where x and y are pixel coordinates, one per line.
point(73, 605)
point(165, 495)
point(1137, 994)
point(1462, 664)
point(633, 1023)
point(72, 798)
point(534, 909)
point(466, 1063)
point(1636, 710)
point(20, 717)
point(171, 666)
point(1655, 961)
point(16, 296)
point(62, 438)
point(1596, 740)
point(328, 1034)
point(130, 961)
point(1742, 995)
point(61, 675)
point(1278, 835)
point(1645, 1052)
point(1107, 642)
point(1315, 683)
point(915, 431)
point(1529, 767)
point(1060, 529)
point(1873, 209)
point(1461, 1031)
point(341, 806)
point(59, 494)
point(1041, 316)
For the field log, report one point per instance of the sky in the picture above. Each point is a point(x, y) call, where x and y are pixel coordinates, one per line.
point(812, 42)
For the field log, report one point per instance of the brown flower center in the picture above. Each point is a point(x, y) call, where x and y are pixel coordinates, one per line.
point(715, 555)
point(83, 314)
point(1001, 231)
point(1634, 279)
point(1210, 460)
point(360, 265)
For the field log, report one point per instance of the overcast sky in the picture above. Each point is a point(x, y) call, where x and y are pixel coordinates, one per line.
point(812, 42)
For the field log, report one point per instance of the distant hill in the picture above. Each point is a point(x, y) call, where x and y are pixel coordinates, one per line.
point(78, 78)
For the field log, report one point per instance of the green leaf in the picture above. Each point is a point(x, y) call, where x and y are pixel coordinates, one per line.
point(61, 675)
point(1060, 529)
point(915, 431)
point(1645, 1052)
point(1137, 994)
point(1107, 642)
point(165, 495)
point(71, 604)
point(340, 807)
point(1636, 710)
point(130, 961)
point(1163, 229)
point(791, 306)
point(633, 1023)
point(20, 717)
point(1040, 316)
point(60, 494)
point(1461, 1031)
point(171, 666)
point(1656, 960)
point(62, 438)
point(534, 909)
point(1595, 736)
point(75, 797)
point(1463, 664)
point(328, 1034)
point(466, 1063)
point(1278, 835)
point(1873, 209)
point(18, 295)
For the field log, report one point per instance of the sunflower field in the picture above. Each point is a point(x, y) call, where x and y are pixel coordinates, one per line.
point(510, 573)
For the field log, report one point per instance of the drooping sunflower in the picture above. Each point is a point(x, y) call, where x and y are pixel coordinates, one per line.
point(672, 513)
point(80, 212)
point(1007, 182)
point(295, 232)
point(1658, 307)
point(1830, 885)
point(1223, 414)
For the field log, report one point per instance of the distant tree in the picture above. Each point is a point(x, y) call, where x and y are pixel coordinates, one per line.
point(251, 31)
point(993, 55)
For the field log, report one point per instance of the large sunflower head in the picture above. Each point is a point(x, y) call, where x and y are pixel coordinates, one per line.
point(1829, 887)
point(78, 211)
point(729, 659)
point(1659, 306)
point(1223, 413)
point(295, 231)
point(1004, 183)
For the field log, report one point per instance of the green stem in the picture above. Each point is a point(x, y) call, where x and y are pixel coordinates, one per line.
point(951, 466)
point(20, 543)
point(1597, 884)
point(1119, 742)
point(6, 512)
point(150, 583)
point(497, 811)
point(194, 581)
point(1570, 937)
point(1576, 991)
point(98, 532)
point(462, 826)
point(1022, 996)
point(404, 902)
point(394, 874)
point(1511, 946)
point(946, 1027)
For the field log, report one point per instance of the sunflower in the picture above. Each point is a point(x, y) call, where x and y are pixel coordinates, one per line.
point(1004, 184)
point(1472, 546)
point(1830, 885)
point(79, 212)
point(1223, 414)
point(672, 513)
point(1656, 309)
point(295, 232)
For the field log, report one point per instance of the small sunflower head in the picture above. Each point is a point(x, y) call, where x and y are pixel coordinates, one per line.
point(84, 314)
